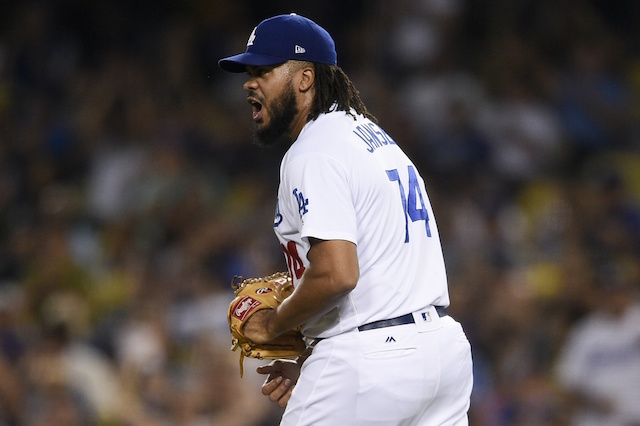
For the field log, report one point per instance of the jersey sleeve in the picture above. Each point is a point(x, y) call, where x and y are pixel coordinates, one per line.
point(320, 193)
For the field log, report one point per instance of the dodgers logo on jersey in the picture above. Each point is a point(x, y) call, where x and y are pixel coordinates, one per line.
point(302, 202)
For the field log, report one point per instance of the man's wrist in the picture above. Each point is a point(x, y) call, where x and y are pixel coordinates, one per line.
point(306, 353)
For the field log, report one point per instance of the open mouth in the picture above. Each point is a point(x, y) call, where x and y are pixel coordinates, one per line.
point(257, 109)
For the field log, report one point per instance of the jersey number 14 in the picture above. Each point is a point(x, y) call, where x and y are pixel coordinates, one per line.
point(410, 204)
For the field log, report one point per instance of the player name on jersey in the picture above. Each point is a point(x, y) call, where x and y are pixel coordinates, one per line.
point(373, 136)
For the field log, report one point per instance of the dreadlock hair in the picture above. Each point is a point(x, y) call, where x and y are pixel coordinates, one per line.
point(333, 86)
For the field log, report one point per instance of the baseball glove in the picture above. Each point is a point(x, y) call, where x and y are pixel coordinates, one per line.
point(251, 296)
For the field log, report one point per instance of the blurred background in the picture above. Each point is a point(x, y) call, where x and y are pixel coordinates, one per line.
point(131, 194)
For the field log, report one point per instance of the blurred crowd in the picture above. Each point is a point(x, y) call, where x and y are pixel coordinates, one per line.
point(131, 194)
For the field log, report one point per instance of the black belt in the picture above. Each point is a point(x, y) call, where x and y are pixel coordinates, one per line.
point(404, 319)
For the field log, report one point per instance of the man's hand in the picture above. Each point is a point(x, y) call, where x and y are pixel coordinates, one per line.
point(256, 328)
point(282, 378)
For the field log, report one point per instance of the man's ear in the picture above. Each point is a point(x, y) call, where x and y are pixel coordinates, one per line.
point(307, 78)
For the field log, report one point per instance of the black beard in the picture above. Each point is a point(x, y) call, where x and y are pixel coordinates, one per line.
point(283, 110)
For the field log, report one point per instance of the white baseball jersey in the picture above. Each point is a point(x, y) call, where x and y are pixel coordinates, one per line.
point(346, 179)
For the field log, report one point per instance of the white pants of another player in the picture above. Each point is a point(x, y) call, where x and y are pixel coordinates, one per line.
point(406, 375)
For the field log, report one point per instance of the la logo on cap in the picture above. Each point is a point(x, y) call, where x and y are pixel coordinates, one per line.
point(281, 38)
point(252, 37)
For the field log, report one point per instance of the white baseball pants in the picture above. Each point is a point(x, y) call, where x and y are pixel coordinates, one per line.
point(405, 375)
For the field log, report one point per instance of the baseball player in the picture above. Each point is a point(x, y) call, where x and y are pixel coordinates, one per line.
point(362, 246)
point(599, 363)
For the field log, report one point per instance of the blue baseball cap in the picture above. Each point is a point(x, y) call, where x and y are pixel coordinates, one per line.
point(281, 38)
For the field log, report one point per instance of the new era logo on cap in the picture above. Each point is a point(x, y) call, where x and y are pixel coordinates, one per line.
point(281, 38)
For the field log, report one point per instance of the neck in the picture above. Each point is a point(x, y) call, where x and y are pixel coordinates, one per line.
point(297, 126)
point(305, 103)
